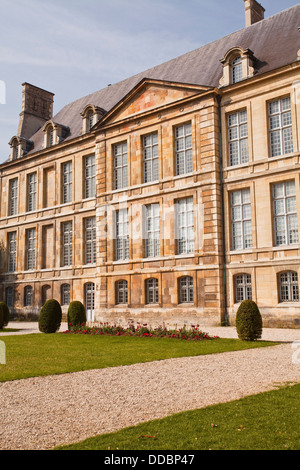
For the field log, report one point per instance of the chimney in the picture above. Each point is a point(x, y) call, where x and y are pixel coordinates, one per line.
point(37, 108)
point(254, 12)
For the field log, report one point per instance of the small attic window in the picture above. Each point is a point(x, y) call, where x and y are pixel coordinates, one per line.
point(90, 120)
point(236, 69)
point(15, 149)
point(90, 116)
point(50, 137)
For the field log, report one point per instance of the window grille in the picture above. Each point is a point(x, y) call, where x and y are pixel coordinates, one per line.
point(10, 297)
point(13, 206)
point(186, 290)
point(288, 287)
point(121, 292)
point(121, 165)
point(152, 291)
point(238, 138)
point(152, 231)
point(90, 176)
point(31, 249)
point(90, 240)
point(242, 287)
point(150, 154)
point(12, 251)
point(32, 190)
point(280, 127)
point(65, 294)
point(237, 70)
point(67, 182)
point(67, 234)
point(285, 213)
point(241, 226)
point(185, 226)
point(122, 235)
point(184, 149)
point(28, 296)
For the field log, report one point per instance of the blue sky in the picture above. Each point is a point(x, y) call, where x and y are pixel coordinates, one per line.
point(73, 47)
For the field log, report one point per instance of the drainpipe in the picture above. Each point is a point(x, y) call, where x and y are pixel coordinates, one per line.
point(223, 213)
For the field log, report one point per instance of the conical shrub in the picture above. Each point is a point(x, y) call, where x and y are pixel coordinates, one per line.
point(50, 317)
point(4, 308)
point(248, 321)
point(76, 314)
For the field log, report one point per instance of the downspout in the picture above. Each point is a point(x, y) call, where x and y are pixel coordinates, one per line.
point(223, 213)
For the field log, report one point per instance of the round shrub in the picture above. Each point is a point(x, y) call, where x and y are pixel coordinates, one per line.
point(1, 319)
point(76, 314)
point(248, 321)
point(5, 310)
point(50, 317)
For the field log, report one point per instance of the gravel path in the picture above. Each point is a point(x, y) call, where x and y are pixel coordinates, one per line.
point(40, 413)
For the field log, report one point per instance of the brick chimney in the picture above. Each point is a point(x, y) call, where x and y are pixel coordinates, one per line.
point(254, 12)
point(37, 108)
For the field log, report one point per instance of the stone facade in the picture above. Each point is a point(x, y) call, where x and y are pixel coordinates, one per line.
point(168, 205)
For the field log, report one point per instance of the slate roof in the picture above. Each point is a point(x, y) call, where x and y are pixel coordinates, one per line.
point(274, 42)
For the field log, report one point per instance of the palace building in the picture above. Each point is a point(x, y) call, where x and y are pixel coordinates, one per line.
point(169, 197)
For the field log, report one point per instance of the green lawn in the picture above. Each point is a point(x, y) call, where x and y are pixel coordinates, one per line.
point(47, 354)
point(268, 421)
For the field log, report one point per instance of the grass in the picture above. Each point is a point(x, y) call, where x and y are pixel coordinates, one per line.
point(48, 354)
point(267, 421)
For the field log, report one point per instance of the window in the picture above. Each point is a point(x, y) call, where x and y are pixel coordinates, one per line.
point(185, 226)
point(67, 234)
point(285, 213)
point(121, 292)
point(90, 120)
point(90, 177)
point(50, 137)
point(152, 231)
point(13, 197)
point(184, 149)
point(30, 239)
point(90, 240)
point(65, 294)
point(152, 291)
point(150, 154)
point(280, 127)
point(238, 138)
point(10, 297)
point(121, 165)
point(242, 287)
point(67, 182)
point(236, 70)
point(12, 251)
point(28, 296)
point(122, 235)
point(241, 220)
point(186, 290)
point(31, 195)
point(288, 287)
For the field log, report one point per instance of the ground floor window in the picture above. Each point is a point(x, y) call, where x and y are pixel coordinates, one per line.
point(28, 296)
point(152, 291)
point(121, 292)
point(242, 287)
point(288, 287)
point(186, 290)
point(90, 301)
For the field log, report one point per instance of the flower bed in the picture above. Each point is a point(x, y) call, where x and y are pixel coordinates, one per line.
point(191, 334)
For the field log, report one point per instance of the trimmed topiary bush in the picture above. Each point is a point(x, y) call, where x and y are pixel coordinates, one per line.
point(5, 310)
point(1, 319)
point(248, 321)
point(50, 317)
point(76, 314)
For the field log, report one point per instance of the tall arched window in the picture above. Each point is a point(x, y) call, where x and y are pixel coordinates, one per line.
point(288, 287)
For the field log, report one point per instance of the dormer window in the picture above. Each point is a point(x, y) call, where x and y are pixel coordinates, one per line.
point(238, 65)
point(19, 147)
point(236, 70)
point(54, 133)
point(50, 137)
point(90, 116)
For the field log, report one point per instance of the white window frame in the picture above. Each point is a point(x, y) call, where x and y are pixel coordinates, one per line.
point(121, 235)
point(238, 138)
point(288, 287)
point(65, 294)
point(237, 69)
point(152, 230)
point(186, 289)
point(150, 158)
point(285, 219)
point(90, 176)
point(152, 293)
point(242, 287)
point(67, 243)
point(90, 240)
point(32, 192)
point(280, 127)
point(120, 165)
point(241, 222)
point(67, 179)
point(12, 252)
point(31, 246)
point(13, 196)
point(185, 226)
point(121, 292)
point(184, 149)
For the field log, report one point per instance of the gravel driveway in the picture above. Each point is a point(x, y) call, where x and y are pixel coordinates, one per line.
point(40, 413)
